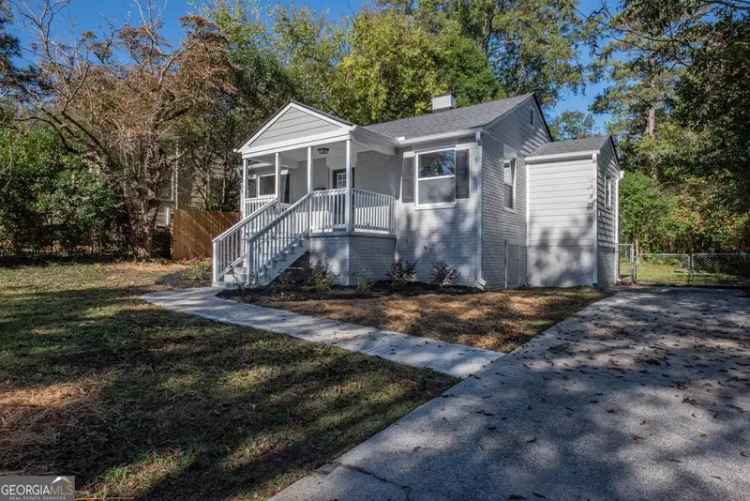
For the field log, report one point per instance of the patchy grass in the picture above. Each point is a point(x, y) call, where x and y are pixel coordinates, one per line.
point(494, 320)
point(137, 401)
point(666, 273)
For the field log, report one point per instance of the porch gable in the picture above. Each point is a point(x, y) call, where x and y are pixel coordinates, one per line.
point(295, 122)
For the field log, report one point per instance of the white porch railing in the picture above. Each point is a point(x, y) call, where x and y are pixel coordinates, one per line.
point(373, 211)
point(253, 204)
point(231, 245)
point(256, 243)
point(288, 229)
point(327, 210)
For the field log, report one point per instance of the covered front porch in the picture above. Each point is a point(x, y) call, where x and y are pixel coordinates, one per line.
point(352, 187)
point(312, 183)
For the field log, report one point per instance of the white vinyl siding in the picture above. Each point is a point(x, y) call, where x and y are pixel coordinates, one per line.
point(561, 223)
point(607, 239)
point(514, 136)
point(294, 124)
point(449, 234)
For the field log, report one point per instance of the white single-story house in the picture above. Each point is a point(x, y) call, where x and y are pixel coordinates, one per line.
point(482, 188)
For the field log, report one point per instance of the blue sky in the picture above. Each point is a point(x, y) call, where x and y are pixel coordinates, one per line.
point(82, 15)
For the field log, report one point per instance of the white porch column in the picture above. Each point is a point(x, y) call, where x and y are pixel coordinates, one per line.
point(349, 217)
point(308, 221)
point(277, 179)
point(309, 170)
point(243, 191)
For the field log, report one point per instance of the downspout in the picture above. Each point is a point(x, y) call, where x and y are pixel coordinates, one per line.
point(479, 172)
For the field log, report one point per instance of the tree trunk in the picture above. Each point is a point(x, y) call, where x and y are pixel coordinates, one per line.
point(142, 212)
point(651, 122)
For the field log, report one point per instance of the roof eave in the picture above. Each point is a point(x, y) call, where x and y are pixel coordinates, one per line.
point(410, 141)
point(572, 155)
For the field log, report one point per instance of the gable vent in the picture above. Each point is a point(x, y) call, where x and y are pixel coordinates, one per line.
point(444, 102)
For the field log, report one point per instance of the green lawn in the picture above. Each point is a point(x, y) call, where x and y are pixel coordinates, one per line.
point(137, 401)
point(666, 272)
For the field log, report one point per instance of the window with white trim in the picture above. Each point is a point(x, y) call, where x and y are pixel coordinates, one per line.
point(509, 183)
point(267, 185)
point(436, 177)
point(252, 187)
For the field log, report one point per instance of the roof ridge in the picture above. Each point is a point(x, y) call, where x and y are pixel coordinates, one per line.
point(519, 97)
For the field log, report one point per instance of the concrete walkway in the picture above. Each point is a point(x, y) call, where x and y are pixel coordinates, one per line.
point(642, 396)
point(452, 359)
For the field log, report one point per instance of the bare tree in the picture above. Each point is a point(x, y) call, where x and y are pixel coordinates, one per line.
point(119, 99)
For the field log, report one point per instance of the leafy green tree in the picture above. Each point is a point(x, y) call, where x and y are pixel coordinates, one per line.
point(10, 75)
point(395, 66)
point(680, 105)
point(572, 125)
point(49, 196)
point(531, 45)
point(643, 210)
point(309, 49)
point(120, 99)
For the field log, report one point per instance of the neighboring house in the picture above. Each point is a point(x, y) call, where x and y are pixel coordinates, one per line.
point(188, 189)
point(482, 188)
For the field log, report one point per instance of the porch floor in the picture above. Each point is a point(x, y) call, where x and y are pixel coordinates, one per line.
point(446, 358)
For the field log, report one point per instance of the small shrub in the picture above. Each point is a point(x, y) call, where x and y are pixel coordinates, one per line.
point(199, 272)
point(363, 285)
point(443, 274)
point(320, 279)
point(402, 272)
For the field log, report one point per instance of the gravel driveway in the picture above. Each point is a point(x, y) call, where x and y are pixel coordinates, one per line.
point(645, 395)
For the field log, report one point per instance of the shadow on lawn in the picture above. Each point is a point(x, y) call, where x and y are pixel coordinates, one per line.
point(494, 320)
point(136, 400)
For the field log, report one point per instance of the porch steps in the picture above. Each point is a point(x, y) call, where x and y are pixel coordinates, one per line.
point(268, 273)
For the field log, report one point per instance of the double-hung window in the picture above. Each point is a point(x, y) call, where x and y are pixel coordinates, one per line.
point(509, 183)
point(442, 176)
point(608, 183)
point(252, 187)
point(261, 186)
point(267, 185)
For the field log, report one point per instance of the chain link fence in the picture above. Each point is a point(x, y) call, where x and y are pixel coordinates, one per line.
point(684, 269)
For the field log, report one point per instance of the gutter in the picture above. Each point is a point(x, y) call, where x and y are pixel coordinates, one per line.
point(403, 141)
point(562, 156)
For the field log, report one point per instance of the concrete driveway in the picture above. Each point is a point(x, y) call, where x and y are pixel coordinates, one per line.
point(645, 395)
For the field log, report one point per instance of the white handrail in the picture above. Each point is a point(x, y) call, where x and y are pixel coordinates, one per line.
point(230, 246)
point(373, 211)
point(270, 242)
point(327, 210)
point(261, 238)
point(253, 204)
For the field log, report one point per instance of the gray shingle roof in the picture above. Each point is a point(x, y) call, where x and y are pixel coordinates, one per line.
point(593, 143)
point(455, 119)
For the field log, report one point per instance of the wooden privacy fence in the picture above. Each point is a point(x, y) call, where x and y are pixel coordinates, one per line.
point(194, 229)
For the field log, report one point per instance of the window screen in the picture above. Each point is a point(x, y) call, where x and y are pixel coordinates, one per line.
point(252, 188)
point(435, 191)
point(437, 177)
point(267, 185)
